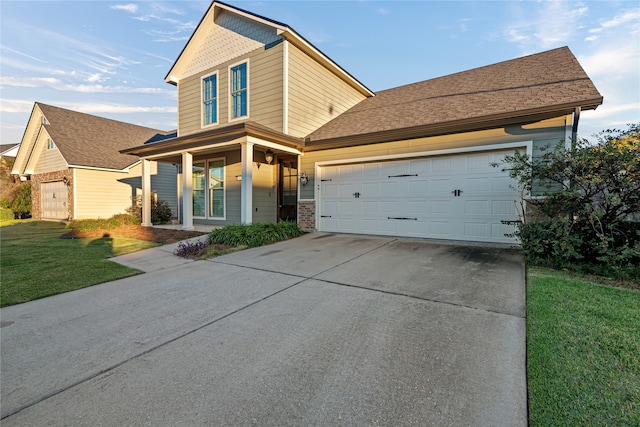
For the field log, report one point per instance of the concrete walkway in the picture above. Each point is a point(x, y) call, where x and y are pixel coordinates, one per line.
point(320, 330)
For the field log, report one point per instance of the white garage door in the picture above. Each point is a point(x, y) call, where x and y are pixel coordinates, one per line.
point(54, 200)
point(458, 197)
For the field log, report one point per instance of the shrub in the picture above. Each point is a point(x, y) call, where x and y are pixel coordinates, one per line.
point(21, 205)
point(6, 214)
point(160, 210)
point(253, 235)
point(189, 249)
point(88, 225)
point(588, 219)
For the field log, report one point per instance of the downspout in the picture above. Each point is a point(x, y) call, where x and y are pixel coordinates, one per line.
point(574, 128)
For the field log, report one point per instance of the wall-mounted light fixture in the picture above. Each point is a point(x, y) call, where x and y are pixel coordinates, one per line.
point(65, 180)
point(304, 179)
point(239, 177)
point(268, 156)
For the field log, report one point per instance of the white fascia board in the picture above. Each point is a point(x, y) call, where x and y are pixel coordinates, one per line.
point(275, 146)
point(492, 147)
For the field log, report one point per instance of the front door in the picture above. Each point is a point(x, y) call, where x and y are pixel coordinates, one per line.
point(288, 189)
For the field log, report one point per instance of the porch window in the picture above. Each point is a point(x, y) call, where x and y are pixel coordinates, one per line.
point(210, 99)
point(209, 176)
point(198, 189)
point(238, 86)
point(216, 189)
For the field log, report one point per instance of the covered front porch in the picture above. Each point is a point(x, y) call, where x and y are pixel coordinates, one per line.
point(237, 174)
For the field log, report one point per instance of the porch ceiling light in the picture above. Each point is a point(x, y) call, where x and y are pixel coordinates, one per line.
point(268, 156)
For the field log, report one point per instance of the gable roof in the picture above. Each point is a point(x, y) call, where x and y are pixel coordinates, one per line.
point(8, 150)
point(534, 87)
point(91, 141)
point(280, 31)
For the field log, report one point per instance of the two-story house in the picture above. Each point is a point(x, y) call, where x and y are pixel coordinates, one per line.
point(270, 128)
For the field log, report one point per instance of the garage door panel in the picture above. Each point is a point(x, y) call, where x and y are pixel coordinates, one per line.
point(476, 207)
point(418, 187)
point(502, 184)
point(417, 198)
point(371, 189)
point(476, 230)
point(440, 186)
point(503, 207)
point(54, 200)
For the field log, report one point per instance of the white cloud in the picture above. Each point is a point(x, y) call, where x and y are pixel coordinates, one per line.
point(17, 52)
point(57, 84)
point(131, 8)
point(15, 106)
point(95, 108)
point(554, 23)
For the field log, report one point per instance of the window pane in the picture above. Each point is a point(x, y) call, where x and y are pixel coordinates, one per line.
point(239, 90)
point(198, 175)
point(209, 90)
point(216, 188)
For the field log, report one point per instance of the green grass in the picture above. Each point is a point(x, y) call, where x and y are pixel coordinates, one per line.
point(583, 349)
point(35, 262)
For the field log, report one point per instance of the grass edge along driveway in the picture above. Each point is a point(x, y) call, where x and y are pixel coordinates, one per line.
point(35, 262)
point(583, 358)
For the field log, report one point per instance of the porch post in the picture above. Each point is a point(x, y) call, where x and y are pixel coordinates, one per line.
point(187, 191)
point(146, 193)
point(246, 187)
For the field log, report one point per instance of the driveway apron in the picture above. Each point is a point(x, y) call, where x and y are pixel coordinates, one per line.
point(320, 330)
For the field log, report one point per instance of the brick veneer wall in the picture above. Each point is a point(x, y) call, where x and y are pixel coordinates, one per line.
point(307, 214)
point(36, 180)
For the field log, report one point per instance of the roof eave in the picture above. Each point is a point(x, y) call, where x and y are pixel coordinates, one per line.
point(449, 127)
point(226, 133)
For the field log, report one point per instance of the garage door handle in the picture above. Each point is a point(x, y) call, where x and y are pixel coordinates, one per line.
point(357, 195)
point(401, 176)
point(402, 218)
point(456, 193)
point(325, 216)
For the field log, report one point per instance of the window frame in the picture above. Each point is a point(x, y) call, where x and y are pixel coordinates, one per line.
point(246, 90)
point(203, 123)
point(50, 144)
point(207, 189)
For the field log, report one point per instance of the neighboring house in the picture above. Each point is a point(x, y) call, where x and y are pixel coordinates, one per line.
point(270, 128)
point(9, 150)
point(76, 169)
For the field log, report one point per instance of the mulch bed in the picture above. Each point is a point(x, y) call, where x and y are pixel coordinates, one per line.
point(158, 235)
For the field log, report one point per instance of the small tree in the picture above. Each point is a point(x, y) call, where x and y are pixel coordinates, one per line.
point(21, 205)
point(588, 215)
point(160, 210)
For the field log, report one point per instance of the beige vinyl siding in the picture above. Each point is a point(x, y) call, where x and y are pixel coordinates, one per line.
point(264, 193)
point(540, 133)
point(165, 184)
point(48, 160)
point(102, 194)
point(28, 141)
point(316, 95)
point(265, 92)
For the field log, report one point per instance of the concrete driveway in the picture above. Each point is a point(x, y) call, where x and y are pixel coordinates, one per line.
point(321, 330)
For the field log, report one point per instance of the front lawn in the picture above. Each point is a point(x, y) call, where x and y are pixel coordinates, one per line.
point(35, 262)
point(583, 348)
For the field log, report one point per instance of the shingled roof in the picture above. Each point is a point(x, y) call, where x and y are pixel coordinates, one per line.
point(91, 141)
point(549, 84)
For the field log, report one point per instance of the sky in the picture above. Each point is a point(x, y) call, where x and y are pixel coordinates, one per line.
point(110, 58)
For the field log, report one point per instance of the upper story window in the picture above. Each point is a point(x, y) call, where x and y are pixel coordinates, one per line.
point(51, 145)
point(238, 87)
point(210, 99)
